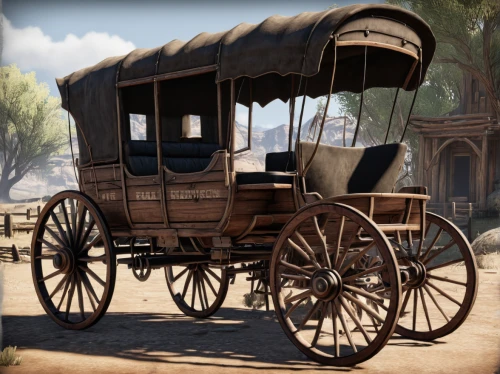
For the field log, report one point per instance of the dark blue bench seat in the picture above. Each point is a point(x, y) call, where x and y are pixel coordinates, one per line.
point(141, 156)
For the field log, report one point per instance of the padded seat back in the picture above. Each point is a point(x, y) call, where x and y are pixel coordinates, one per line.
point(280, 161)
point(141, 156)
point(341, 170)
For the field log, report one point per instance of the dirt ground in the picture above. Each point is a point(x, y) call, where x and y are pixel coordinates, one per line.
point(143, 332)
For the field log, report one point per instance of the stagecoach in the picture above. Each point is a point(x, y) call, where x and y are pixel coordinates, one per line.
point(348, 260)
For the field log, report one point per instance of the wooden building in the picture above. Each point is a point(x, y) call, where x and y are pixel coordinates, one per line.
point(459, 154)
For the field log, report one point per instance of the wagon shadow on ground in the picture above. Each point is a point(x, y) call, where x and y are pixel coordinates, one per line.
point(235, 338)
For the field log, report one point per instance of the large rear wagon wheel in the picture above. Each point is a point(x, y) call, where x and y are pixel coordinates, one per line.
point(72, 261)
point(319, 288)
point(198, 290)
point(438, 304)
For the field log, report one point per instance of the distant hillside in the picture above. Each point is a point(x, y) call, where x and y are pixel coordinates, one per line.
point(61, 175)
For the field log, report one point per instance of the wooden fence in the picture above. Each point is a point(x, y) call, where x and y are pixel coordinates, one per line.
point(8, 226)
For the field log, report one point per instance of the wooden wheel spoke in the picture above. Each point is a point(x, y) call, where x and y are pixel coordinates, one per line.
point(195, 281)
point(205, 276)
point(405, 302)
point(355, 319)
point(377, 299)
point(180, 274)
point(50, 276)
point(73, 220)
point(56, 237)
point(425, 308)
point(69, 231)
point(93, 275)
point(90, 289)
point(309, 314)
point(449, 263)
point(58, 287)
point(306, 256)
point(81, 225)
point(198, 285)
point(296, 268)
point(295, 277)
point(186, 285)
point(204, 289)
point(302, 295)
point(87, 247)
point(431, 245)
point(336, 337)
point(438, 252)
point(83, 242)
point(320, 324)
point(363, 306)
point(446, 280)
point(436, 303)
point(80, 296)
point(365, 272)
point(44, 257)
point(66, 287)
point(345, 326)
point(323, 242)
point(293, 307)
point(443, 293)
point(92, 259)
point(209, 271)
point(415, 301)
point(70, 297)
point(346, 249)
point(357, 257)
point(339, 240)
point(62, 234)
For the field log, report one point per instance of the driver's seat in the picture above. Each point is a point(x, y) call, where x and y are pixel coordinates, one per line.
point(341, 170)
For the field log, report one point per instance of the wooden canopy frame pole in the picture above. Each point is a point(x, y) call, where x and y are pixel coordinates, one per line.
point(292, 114)
point(309, 163)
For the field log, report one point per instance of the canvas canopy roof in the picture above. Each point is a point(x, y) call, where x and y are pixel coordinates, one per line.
point(269, 52)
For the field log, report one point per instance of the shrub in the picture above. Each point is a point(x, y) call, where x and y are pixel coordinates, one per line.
point(8, 357)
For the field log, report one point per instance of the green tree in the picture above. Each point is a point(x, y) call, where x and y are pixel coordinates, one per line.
point(31, 126)
point(468, 36)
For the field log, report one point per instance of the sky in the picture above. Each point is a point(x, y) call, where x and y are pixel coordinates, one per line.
point(55, 37)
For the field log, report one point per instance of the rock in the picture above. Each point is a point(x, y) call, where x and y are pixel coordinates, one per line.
point(489, 242)
point(493, 202)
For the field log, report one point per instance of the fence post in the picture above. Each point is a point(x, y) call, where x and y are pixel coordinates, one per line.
point(28, 214)
point(38, 210)
point(453, 212)
point(15, 253)
point(8, 226)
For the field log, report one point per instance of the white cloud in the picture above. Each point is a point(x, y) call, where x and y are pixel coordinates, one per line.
point(31, 49)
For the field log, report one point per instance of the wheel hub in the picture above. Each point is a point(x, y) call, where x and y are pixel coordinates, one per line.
point(417, 274)
point(326, 284)
point(64, 261)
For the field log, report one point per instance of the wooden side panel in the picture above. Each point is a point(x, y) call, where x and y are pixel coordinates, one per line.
point(145, 211)
point(277, 204)
point(144, 199)
point(198, 200)
point(107, 192)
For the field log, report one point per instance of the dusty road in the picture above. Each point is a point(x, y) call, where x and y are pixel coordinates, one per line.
point(143, 332)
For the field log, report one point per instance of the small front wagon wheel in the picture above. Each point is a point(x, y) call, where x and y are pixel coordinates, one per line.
point(198, 290)
point(319, 286)
point(72, 261)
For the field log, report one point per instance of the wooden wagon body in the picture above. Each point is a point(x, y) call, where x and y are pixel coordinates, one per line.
point(320, 225)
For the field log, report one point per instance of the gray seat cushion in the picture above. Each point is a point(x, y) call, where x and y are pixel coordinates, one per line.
point(342, 170)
